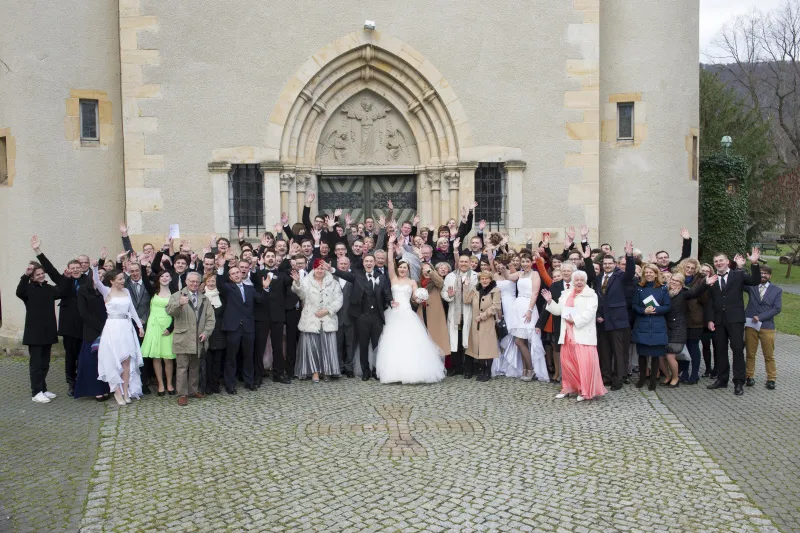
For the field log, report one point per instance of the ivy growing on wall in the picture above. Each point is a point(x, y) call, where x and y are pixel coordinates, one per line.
point(723, 212)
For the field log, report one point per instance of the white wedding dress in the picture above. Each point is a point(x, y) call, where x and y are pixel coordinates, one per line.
point(406, 353)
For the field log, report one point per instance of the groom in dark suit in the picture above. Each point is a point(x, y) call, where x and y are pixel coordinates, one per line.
point(370, 297)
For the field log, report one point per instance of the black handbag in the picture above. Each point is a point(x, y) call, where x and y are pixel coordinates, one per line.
point(500, 328)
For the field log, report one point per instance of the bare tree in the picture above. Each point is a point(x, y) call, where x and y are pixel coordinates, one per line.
point(784, 195)
point(761, 53)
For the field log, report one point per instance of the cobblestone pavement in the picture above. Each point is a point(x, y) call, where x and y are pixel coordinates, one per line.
point(352, 456)
point(46, 452)
point(755, 438)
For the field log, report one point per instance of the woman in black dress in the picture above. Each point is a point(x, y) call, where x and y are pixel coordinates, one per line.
point(92, 308)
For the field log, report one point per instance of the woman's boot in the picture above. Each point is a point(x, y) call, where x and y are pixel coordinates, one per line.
point(642, 372)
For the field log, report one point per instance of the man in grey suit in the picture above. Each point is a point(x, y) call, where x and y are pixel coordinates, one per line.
point(345, 335)
point(765, 302)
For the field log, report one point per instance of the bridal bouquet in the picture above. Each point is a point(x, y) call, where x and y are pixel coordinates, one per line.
point(421, 295)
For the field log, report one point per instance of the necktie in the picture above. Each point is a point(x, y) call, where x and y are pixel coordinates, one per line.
point(604, 288)
point(77, 284)
point(137, 288)
point(761, 290)
point(241, 289)
point(722, 282)
point(194, 300)
point(567, 285)
point(371, 279)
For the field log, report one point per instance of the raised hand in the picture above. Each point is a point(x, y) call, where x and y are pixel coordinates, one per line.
point(337, 213)
point(265, 239)
point(754, 256)
point(584, 232)
point(392, 238)
point(571, 233)
point(348, 219)
point(316, 234)
point(284, 219)
point(277, 227)
point(390, 205)
point(474, 205)
point(451, 291)
point(29, 270)
point(711, 280)
point(546, 239)
point(651, 257)
point(185, 245)
point(295, 276)
point(183, 300)
point(739, 260)
point(36, 244)
point(456, 243)
point(219, 261)
point(586, 251)
point(481, 225)
point(123, 229)
point(310, 197)
point(382, 221)
point(628, 247)
point(328, 221)
point(206, 250)
point(103, 252)
point(266, 280)
point(415, 221)
point(464, 212)
point(685, 233)
point(548, 297)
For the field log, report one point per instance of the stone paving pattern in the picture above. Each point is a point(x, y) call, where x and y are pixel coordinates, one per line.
point(500, 456)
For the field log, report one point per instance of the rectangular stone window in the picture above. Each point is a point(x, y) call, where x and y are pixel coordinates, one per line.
point(625, 121)
point(695, 158)
point(90, 126)
point(3, 160)
point(246, 193)
point(490, 193)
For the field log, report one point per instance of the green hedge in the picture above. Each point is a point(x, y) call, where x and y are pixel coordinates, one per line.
point(722, 215)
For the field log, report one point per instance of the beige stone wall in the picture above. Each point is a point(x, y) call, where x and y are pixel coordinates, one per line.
point(649, 57)
point(220, 93)
point(72, 198)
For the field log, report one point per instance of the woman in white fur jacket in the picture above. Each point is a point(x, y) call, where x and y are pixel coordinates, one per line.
point(322, 298)
point(580, 366)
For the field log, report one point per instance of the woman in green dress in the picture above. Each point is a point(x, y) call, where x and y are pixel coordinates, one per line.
point(157, 343)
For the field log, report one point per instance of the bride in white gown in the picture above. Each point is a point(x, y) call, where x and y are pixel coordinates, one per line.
point(119, 356)
point(406, 353)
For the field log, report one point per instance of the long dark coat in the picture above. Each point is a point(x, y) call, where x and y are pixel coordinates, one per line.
point(40, 311)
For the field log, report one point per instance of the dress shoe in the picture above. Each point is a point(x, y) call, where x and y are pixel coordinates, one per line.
point(606, 382)
point(198, 395)
point(626, 380)
point(750, 382)
point(641, 382)
point(692, 382)
point(281, 378)
point(183, 401)
point(350, 374)
point(718, 385)
point(651, 386)
point(251, 388)
point(616, 387)
point(453, 372)
point(365, 377)
point(171, 392)
point(161, 393)
point(467, 375)
point(771, 385)
point(375, 374)
point(145, 389)
point(230, 391)
point(71, 390)
point(738, 389)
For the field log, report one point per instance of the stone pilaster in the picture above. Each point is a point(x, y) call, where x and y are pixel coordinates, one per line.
point(466, 188)
point(220, 173)
point(453, 178)
point(301, 181)
point(434, 178)
point(287, 180)
point(272, 192)
point(514, 178)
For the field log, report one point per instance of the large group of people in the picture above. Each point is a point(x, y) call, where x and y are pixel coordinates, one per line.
point(327, 298)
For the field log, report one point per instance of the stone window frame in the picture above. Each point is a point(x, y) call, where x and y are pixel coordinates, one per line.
point(610, 124)
point(82, 119)
point(632, 135)
point(693, 154)
point(105, 116)
point(9, 158)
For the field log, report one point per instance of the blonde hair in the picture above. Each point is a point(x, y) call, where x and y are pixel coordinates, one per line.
point(485, 274)
point(681, 267)
point(659, 278)
point(677, 276)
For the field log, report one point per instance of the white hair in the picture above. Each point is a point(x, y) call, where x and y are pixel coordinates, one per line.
point(579, 274)
point(193, 273)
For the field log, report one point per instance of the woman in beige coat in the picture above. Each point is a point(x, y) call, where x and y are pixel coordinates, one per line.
point(432, 312)
point(486, 305)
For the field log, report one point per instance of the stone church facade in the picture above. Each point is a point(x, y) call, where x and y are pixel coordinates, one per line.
point(220, 115)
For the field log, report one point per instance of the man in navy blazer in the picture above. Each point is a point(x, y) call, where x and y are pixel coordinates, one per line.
point(613, 325)
point(765, 302)
point(238, 323)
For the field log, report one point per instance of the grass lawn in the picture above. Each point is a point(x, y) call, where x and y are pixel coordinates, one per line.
point(779, 273)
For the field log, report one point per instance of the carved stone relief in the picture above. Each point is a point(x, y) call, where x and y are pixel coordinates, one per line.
point(367, 130)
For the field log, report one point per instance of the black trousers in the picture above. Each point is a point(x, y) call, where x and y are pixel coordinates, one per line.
point(346, 346)
point(72, 347)
point(458, 361)
point(292, 336)
point(214, 369)
point(39, 365)
point(236, 339)
point(368, 330)
point(727, 333)
point(265, 330)
point(612, 349)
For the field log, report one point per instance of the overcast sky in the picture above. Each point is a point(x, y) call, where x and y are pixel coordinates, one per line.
point(715, 13)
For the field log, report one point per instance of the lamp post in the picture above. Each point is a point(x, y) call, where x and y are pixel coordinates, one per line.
point(732, 184)
point(726, 143)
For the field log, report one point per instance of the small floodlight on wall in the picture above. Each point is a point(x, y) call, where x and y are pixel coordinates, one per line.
point(369, 25)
